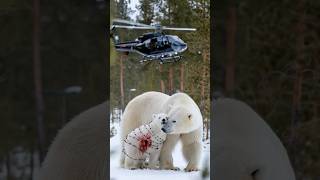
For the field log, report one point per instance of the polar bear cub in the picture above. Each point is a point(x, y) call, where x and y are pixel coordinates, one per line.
point(145, 142)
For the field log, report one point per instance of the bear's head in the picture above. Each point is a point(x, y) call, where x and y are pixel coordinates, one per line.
point(181, 120)
point(159, 121)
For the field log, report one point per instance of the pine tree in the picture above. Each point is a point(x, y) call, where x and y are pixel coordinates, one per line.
point(147, 11)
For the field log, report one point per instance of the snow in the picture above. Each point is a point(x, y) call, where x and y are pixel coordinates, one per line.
point(117, 173)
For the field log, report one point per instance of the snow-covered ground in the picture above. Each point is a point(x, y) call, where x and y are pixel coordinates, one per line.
point(117, 173)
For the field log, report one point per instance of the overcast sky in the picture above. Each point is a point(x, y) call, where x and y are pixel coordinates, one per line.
point(132, 5)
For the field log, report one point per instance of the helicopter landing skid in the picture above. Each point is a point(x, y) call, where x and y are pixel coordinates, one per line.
point(171, 59)
point(163, 60)
point(145, 60)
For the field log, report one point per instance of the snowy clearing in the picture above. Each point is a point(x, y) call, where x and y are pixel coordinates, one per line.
point(117, 173)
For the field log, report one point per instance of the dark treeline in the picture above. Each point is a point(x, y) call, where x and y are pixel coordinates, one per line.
point(72, 53)
point(266, 53)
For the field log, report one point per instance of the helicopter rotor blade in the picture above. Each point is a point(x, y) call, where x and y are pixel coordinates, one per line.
point(136, 25)
point(130, 22)
point(133, 27)
point(178, 29)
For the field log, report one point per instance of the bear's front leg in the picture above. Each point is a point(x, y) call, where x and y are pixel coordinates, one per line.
point(192, 148)
point(192, 154)
point(166, 161)
point(154, 160)
point(132, 164)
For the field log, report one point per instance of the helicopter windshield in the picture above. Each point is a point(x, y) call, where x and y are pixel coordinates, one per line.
point(175, 40)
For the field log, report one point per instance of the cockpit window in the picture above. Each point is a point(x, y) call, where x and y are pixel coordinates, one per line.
point(176, 40)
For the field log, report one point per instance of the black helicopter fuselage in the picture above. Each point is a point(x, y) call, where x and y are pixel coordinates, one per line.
point(154, 46)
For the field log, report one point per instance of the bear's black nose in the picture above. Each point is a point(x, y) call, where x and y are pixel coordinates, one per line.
point(163, 120)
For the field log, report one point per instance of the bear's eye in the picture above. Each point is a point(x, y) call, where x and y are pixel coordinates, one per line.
point(174, 121)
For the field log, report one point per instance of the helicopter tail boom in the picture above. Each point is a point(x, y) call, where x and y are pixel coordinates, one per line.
point(125, 47)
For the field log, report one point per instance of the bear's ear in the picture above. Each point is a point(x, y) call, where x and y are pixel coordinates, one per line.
point(189, 116)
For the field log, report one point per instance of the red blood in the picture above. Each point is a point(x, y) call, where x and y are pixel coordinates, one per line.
point(144, 142)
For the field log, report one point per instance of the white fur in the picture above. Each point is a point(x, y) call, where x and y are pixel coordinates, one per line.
point(245, 147)
point(179, 107)
point(79, 152)
point(134, 158)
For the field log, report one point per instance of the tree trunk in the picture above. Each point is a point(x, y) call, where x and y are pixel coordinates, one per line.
point(315, 109)
point(162, 86)
point(8, 166)
point(208, 127)
point(181, 77)
point(317, 99)
point(204, 84)
point(170, 80)
point(121, 82)
point(31, 162)
point(38, 79)
point(169, 12)
point(231, 45)
point(64, 110)
point(296, 98)
point(297, 84)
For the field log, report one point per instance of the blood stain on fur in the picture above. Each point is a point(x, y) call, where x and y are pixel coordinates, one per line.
point(144, 142)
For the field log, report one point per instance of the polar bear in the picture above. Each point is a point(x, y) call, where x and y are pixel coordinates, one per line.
point(188, 127)
point(79, 151)
point(145, 142)
point(245, 147)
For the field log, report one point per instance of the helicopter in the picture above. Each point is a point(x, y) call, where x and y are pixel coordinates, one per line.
point(153, 46)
